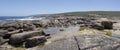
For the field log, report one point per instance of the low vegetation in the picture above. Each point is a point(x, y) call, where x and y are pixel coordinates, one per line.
point(102, 13)
point(85, 30)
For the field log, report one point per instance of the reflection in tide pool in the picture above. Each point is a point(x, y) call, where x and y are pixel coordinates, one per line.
point(56, 30)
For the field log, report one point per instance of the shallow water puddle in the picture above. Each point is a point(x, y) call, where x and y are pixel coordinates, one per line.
point(56, 30)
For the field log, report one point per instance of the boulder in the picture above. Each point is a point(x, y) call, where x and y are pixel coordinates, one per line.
point(37, 24)
point(29, 27)
point(107, 24)
point(45, 33)
point(3, 41)
point(97, 26)
point(18, 39)
point(61, 29)
point(9, 24)
point(11, 29)
point(7, 36)
point(80, 22)
point(3, 32)
point(20, 31)
point(34, 41)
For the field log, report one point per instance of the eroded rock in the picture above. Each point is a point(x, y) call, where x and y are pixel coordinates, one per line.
point(18, 39)
point(63, 44)
point(3, 41)
point(85, 42)
point(107, 24)
point(3, 32)
point(34, 41)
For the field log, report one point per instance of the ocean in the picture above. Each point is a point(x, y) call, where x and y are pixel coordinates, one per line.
point(12, 18)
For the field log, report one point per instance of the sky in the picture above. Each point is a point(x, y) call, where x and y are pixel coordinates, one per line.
point(33, 7)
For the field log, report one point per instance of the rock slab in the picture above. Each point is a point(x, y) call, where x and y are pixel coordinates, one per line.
point(85, 42)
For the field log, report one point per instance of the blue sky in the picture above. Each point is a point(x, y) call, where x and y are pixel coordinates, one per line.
point(32, 7)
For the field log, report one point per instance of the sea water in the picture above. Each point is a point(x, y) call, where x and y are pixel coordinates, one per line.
point(12, 18)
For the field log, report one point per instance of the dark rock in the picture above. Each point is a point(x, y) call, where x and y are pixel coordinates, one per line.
point(7, 36)
point(97, 26)
point(34, 41)
point(47, 34)
point(29, 27)
point(9, 24)
point(18, 39)
point(48, 37)
point(3, 32)
point(3, 41)
point(61, 29)
point(107, 24)
point(37, 24)
point(44, 33)
point(11, 29)
point(20, 31)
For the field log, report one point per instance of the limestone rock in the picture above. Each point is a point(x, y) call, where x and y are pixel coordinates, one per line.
point(11, 29)
point(97, 26)
point(2, 41)
point(85, 42)
point(34, 41)
point(18, 39)
point(107, 24)
point(63, 44)
point(3, 32)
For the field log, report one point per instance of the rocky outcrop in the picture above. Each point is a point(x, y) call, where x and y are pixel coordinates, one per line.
point(85, 42)
point(3, 33)
point(15, 25)
point(18, 39)
point(63, 44)
point(3, 41)
point(18, 32)
point(97, 26)
point(58, 21)
point(34, 41)
point(28, 34)
point(107, 24)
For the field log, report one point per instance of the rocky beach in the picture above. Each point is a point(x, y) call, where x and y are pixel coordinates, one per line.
point(61, 33)
point(59, 25)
